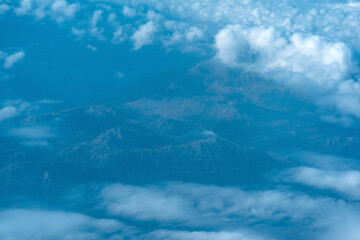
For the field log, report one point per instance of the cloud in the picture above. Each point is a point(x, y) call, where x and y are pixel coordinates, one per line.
point(144, 35)
point(199, 204)
point(200, 235)
point(13, 108)
point(13, 58)
point(269, 213)
point(120, 75)
point(23, 224)
point(94, 29)
point(34, 132)
point(345, 227)
point(59, 10)
point(128, 200)
point(310, 64)
point(61, 7)
point(30, 134)
point(343, 182)
point(317, 160)
point(190, 211)
point(119, 35)
point(304, 60)
point(25, 7)
point(92, 48)
point(7, 112)
point(96, 17)
point(33, 136)
point(4, 8)
point(304, 46)
point(78, 32)
point(194, 33)
point(128, 12)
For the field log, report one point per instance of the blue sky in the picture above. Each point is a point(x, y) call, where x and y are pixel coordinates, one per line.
point(224, 120)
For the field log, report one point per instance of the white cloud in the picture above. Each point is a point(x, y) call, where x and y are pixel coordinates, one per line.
point(7, 112)
point(144, 35)
point(111, 18)
point(78, 32)
point(22, 224)
point(92, 48)
point(96, 17)
point(318, 68)
point(118, 35)
point(13, 108)
point(199, 204)
point(308, 60)
point(94, 29)
point(308, 47)
point(128, 12)
point(220, 209)
point(4, 8)
point(12, 59)
point(33, 136)
point(25, 7)
point(345, 226)
point(59, 10)
point(63, 10)
point(343, 182)
point(33, 132)
point(200, 235)
point(194, 33)
point(129, 201)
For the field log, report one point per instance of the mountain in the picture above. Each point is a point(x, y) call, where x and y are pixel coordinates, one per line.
point(112, 143)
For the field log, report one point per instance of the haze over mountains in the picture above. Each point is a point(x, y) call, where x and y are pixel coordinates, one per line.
point(224, 120)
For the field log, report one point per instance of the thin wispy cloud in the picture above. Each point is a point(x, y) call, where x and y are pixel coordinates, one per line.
point(13, 58)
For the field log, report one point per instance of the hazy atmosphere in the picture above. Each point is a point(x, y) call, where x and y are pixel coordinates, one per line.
point(179, 120)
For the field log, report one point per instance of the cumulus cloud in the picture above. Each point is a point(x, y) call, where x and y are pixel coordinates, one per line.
point(13, 58)
point(318, 160)
point(304, 46)
point(23, 224)
point(317, 67)
point(96, 17)
point(94, 29)
point(61, 7)
point(128, 12)
point(310, 60)
point(194, 33)
point(343, 182)
point(198, 204)
point(7, 112)
point(128, 200)
point(78, 32)
point(13, 108)
point(59, 10)
point(194, 212)
point(218, 209)
point(119, 35)
point(144, 35)
point(25, 7)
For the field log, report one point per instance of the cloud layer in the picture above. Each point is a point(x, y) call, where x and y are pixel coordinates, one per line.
point(22, 224)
